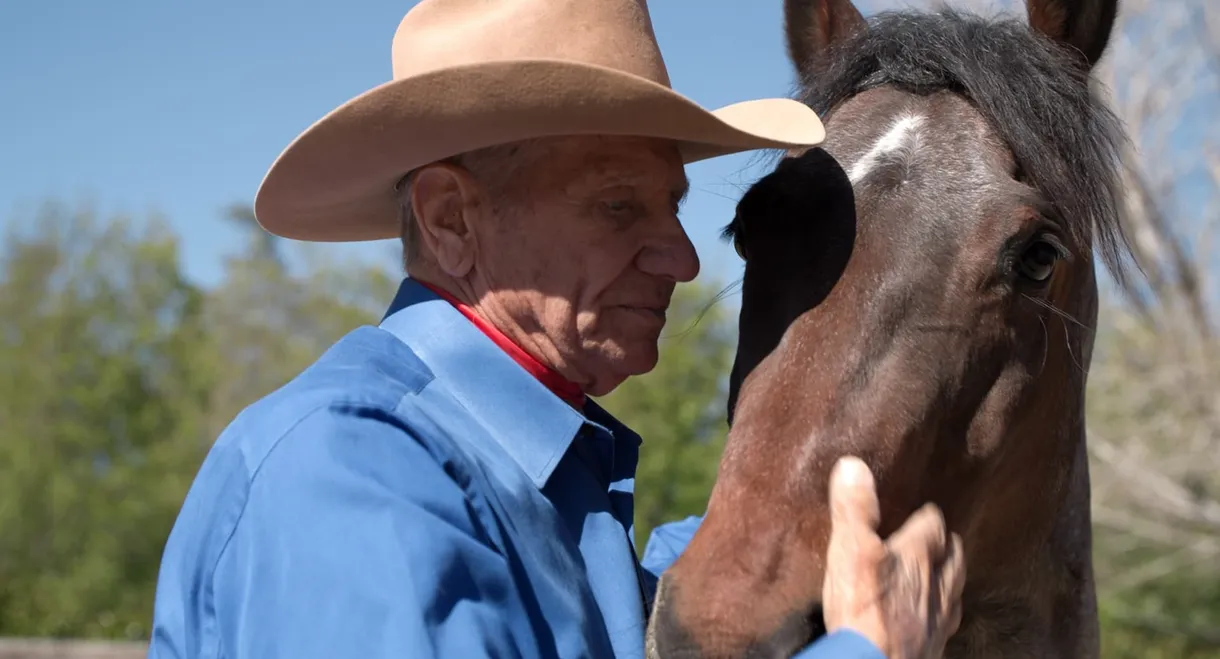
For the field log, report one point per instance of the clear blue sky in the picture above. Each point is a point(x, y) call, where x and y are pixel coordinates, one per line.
point(179, 107)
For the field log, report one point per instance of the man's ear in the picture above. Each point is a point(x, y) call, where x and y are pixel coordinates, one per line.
point(444, 200)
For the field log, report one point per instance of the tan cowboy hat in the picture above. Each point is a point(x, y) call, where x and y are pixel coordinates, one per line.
point(470, 74)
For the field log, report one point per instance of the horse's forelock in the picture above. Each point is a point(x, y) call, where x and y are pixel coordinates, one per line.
point(1035, 95)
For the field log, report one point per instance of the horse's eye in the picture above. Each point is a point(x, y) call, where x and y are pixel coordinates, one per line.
point(741, 250)
point(1038, 260)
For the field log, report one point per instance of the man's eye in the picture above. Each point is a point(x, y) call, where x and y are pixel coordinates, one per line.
point(617, 206)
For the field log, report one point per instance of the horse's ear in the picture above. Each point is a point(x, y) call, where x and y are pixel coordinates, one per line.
point(1084, 25)
point(815, 25)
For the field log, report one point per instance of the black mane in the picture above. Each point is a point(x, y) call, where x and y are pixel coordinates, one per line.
point(1035, 94)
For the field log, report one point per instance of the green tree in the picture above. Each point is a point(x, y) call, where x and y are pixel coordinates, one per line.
point(679, 410)
point(265, 323)
point(116, 375)
point(100, 419)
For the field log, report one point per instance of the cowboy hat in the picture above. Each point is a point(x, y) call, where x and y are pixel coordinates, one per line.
point(469, 74)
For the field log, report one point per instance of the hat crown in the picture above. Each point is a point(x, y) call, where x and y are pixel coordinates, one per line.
point(616, 34)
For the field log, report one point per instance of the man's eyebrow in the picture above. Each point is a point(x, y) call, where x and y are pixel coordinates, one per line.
point(678, 192)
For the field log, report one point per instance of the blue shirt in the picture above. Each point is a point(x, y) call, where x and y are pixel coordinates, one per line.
point(415, 493)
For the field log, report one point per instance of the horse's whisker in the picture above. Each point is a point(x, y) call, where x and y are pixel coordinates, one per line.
point(1046, 347)
point(716, 299)
point(1063, 317)
point(1059, 312)
point(717, 194)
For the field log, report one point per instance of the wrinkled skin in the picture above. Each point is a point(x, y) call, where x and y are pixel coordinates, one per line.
point(598, 217)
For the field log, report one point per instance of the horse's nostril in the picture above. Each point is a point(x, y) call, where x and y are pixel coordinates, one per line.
point(665, 636)
point(669, 637)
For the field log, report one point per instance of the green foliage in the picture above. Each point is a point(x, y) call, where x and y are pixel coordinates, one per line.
point(116, 374)
point(1152, 404)
point(1176, 617)
point(678, 408)
point(100, 399)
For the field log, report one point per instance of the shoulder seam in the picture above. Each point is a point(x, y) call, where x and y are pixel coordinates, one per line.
point(224, 547)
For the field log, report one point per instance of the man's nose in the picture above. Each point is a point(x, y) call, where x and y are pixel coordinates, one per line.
point(670, 254)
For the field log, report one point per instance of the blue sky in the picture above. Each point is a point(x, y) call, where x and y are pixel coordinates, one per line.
point(147, 105)
point(139, 106)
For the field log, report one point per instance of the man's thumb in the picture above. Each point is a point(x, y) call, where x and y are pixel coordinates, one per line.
point(853, 495)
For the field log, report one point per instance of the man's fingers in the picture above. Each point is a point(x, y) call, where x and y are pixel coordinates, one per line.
point(952, 579)
point(853, 495)
point(924, 533)
point(953, 570)
point(949, 626)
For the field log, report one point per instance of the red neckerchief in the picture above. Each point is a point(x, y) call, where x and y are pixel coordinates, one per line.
point(564, 388)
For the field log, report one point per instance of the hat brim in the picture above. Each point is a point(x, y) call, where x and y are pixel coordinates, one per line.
point(335, 181)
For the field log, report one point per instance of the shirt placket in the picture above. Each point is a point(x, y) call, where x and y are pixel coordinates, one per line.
point(596, 450)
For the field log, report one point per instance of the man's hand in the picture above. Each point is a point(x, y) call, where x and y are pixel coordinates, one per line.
point(903, 594)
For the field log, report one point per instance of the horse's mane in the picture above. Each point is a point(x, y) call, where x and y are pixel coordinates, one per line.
point(1035, 94)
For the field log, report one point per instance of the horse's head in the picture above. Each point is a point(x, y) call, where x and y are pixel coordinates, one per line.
point(918, 292)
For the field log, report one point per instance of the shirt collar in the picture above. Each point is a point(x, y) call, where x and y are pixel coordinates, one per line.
point(569, 391)
point(531, 423)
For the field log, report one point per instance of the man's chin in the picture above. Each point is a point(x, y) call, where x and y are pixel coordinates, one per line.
point(623, 362)
point(639, 358)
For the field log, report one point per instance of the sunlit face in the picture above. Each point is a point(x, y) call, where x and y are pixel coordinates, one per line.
point(583, 253)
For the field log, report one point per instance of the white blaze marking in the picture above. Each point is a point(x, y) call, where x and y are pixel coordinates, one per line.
point(902, 135)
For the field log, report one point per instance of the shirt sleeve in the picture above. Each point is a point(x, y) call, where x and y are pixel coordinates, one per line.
point(666, 543)
point(356, 541)
point(841, 644)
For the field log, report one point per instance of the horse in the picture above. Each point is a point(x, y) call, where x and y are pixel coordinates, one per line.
point(919, 291)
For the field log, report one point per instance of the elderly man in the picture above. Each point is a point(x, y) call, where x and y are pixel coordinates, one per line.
point(441, 485)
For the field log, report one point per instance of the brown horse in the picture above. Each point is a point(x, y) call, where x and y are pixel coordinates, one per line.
point(919, 292)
